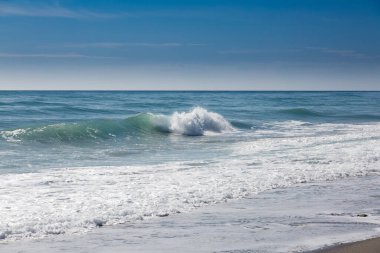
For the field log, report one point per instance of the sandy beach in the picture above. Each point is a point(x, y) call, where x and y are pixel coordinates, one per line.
point(366, 246)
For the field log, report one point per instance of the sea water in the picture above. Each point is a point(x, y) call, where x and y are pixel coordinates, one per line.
point(71, 161)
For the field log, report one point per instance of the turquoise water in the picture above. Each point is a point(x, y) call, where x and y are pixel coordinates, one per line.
point(49, 129)
point(71, 161)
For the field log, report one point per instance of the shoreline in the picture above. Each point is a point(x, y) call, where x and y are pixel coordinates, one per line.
point(365, 246)
point(302, 218)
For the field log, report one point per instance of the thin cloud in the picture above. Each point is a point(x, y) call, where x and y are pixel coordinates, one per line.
point(56, 11)
point(10, 10)
point(196, 44)
point(257, 52)
point(167, 44)
point(91, 45)
point(342, 53)
point(237, 52)
point(59, 56)
point(120, 44)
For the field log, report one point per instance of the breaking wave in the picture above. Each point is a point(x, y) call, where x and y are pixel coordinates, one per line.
point(196, 122)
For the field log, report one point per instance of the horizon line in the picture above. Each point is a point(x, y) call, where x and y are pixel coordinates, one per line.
point(190, 90)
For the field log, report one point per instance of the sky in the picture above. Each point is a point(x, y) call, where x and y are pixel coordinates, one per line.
point(190, 44)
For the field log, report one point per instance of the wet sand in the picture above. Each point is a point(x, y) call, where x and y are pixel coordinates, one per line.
point(366, 246)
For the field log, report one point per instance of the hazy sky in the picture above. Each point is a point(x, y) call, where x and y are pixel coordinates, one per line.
point(190, 44)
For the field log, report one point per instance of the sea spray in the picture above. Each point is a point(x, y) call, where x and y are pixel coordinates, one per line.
point(198, 122)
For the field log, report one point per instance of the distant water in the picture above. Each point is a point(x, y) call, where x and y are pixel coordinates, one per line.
point(74, 160)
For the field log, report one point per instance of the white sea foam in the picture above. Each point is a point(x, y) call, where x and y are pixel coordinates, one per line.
point(12, 135)
point(73, 200)
point(198, 122)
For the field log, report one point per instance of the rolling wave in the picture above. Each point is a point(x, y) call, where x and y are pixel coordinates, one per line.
point(301, 112)
point(196, 122)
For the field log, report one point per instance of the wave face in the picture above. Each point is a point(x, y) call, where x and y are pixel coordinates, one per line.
point(82, 131)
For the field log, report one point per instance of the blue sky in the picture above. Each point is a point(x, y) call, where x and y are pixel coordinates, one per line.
point(209, 44)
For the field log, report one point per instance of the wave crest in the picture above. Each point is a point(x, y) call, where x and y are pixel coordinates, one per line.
point(198, 122)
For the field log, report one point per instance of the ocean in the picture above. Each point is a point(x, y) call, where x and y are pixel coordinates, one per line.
point(74, 161)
